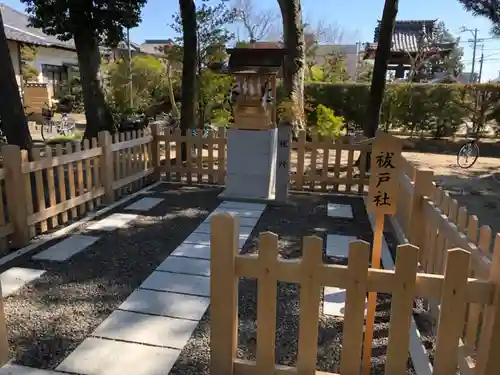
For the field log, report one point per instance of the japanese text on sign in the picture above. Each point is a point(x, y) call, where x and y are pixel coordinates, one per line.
point(384, 185)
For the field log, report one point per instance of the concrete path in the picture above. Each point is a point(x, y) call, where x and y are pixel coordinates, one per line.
point(147, 332)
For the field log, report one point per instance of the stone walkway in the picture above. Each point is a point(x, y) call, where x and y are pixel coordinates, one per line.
point(147, 332)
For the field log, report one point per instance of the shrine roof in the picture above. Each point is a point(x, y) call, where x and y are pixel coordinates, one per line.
point(255, 60)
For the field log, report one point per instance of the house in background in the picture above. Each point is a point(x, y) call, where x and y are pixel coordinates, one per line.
point(55, 59)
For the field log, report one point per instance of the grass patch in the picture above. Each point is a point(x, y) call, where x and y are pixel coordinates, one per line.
point(75, 137)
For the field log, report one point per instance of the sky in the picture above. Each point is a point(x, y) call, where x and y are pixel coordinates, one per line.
point(357, 18)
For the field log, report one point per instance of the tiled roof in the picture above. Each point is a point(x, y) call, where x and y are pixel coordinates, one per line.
point(17, 29)
point(407, 35)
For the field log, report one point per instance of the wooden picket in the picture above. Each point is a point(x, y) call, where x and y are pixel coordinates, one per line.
point(453, 288)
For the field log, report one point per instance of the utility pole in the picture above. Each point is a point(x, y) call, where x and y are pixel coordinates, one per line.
point(471, 79)
point(481, 61)
point(474, 47)
point(130, 91)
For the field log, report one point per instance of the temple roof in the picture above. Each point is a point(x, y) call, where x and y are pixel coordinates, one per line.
point(407, 35)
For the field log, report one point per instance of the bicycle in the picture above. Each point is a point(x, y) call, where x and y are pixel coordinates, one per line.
point(64, 127)
point(469, 152)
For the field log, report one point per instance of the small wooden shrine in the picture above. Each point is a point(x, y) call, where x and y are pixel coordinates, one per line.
point(409, 40)
point(252, 138)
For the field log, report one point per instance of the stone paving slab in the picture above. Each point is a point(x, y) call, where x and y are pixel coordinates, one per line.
point(190, 266)
point(16, 277)
point(146, 329)
point(236, 212)
point(11, 369)
point(107, 357)
point(112, 222)
point(334, 301)
point(204, 239)
point(66, 249)
point(242, 206)
point(340, 210)
point(144, 204)
point(178, 283)
point(191, 250)
point(243, 221)
point(169, 304)
point(338, 245)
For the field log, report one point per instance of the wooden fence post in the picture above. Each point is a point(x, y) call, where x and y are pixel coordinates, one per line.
point(488, 360)
point(223, 293)
point(155, 153)
point(423, 187)
point(4, 341)
point(13, 159)
point(106, 167)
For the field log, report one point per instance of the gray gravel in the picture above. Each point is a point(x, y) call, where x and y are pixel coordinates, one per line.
point(307, 217)
point(47, 319)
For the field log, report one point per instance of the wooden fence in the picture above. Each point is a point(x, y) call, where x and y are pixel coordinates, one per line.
point(428, 217)
point(453, 289)
point(62, 185)
point(318, 164)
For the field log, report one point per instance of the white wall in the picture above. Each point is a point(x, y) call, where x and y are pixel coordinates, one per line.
point(14, 55)
point(53, 56)
point(351, 65)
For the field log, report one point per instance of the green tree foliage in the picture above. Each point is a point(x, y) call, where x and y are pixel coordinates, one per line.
point(212, 31)
point(89, 24)
point(485, 8)
point(364, 71)
point(333, 69)
point(452, 63)
point(436, 109)
point(28, 71)
point(149, 84)
point(328, 125)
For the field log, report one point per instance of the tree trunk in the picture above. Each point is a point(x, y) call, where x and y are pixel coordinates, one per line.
point(382, 54)
point(377, 88)
point(12, 118)
point(189, 64)
point(97, 112)
point(294, 64)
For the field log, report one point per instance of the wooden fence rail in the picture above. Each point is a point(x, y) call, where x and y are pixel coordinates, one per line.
point(56, 187)
point(453, 289)
point(428, 217)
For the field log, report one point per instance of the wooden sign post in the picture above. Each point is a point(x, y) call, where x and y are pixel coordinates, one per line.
point(283, 163)
point(382, 198)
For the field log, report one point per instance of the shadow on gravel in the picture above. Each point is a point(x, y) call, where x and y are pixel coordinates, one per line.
point(50, 317)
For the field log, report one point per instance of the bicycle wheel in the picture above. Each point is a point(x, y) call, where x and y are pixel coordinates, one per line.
point(68, 126)
point(468, 154)
point(49, 129)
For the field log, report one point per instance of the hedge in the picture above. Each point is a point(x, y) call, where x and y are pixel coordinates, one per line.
point(436, 108)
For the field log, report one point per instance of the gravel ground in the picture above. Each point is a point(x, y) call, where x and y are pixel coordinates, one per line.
point(47, 319)
point(306, 217)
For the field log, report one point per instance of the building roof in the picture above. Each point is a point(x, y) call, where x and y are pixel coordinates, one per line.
point(407, 35)
point(16, 26)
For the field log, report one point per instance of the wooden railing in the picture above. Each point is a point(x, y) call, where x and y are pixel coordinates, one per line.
point(428, 217)
point(60, 185)
point(328, 165)
point(453, 289)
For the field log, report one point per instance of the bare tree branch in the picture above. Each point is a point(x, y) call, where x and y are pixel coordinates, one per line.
point(258, 23)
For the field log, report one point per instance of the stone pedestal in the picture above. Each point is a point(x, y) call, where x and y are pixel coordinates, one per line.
point(251, 165)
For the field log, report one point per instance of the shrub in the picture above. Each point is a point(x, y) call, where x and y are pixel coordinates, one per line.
point(328, 125)
point(436, 108)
